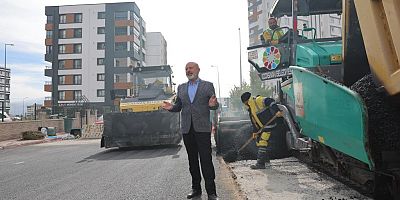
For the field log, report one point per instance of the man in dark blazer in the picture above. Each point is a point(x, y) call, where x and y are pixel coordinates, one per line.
point(195, 99)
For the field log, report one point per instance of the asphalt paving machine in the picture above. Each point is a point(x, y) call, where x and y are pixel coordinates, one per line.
point(341, 95)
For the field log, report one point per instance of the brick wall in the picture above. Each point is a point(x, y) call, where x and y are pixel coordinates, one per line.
point(13, 130)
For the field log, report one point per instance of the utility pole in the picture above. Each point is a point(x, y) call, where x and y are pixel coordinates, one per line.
point(240, 57)
point(219, 85)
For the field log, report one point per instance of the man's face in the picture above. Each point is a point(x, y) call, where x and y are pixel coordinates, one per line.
point(192, 71)
point(272, 23)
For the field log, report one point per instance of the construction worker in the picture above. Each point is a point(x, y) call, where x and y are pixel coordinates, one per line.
point(269, 35)
point(261, 111)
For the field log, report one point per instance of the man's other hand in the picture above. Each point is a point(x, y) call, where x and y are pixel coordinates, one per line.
point(166, 105)
point(213, 101)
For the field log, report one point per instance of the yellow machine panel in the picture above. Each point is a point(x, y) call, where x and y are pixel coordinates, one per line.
point(380, 26)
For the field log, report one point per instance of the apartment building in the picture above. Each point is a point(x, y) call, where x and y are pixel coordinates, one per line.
point(156, 48)
point(5, 89)
point(30, 110)
point(327, 25)
point(92, 49)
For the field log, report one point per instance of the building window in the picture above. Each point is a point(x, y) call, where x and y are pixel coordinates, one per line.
point(61, 49)
point(135, 46)
point(77, 94)
point(61, 80)
point(121, 46)
point(77, 79)
point(101, 45)
point(62, 33)
point(78, 17)
point(101, 77)
point(77, 48)
point(77, 33)
point(61, 64)
point(121, 62)
point(61, 95)
point(101, 15)
point(49, 49)
point(100, 61)
point(123, 15)
point(49, 34)
point(143, 43)
point(77, 64)
point(101, 30)
point(50, 19)
point(134, 31)
point(336, 31)
point(135, 16)
point(121, 30)
point(63, 19)
point(143, 29)
point(101, 93)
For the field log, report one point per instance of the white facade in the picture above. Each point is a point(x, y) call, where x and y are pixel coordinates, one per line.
point(89, 54)
point(4, 88)
point(156, 49)
point(30, 110)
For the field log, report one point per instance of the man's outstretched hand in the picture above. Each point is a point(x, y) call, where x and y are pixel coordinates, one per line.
point(213, 101)
point(166, 105)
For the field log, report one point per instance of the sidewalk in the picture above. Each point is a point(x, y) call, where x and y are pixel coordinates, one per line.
point(8, 144)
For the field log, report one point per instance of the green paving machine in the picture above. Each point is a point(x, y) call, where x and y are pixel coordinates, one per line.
point(341, 96)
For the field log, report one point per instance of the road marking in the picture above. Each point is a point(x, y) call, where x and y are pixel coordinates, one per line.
point(19, 163)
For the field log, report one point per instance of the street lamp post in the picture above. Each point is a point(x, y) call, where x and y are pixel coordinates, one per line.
point(219, 85)
point(5, 67)
point(23, 107)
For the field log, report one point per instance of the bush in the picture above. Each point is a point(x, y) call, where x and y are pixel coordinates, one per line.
point(32, 135)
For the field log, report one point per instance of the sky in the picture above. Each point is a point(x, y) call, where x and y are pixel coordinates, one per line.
point(206, 32)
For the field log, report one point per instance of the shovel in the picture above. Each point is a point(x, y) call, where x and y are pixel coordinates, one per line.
point(232, 155)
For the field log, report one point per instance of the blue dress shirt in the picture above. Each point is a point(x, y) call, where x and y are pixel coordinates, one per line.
point(192, 88)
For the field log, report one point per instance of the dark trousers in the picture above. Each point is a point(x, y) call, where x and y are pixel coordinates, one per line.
point(199, 145)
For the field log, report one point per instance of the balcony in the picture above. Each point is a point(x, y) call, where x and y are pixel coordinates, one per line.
point(47, 102)
point(123, 85)
point(124, 38)
point(49, 27)
point(48, 41)
point(48, 57)
point(119, 23)
point(48, 71)
point(47, 86)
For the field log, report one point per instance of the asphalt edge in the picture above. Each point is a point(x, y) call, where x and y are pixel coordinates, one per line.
point(33, 142)
point(242, 195)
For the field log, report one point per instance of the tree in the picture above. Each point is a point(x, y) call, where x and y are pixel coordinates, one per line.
point(235, 93)
point(256, 87)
